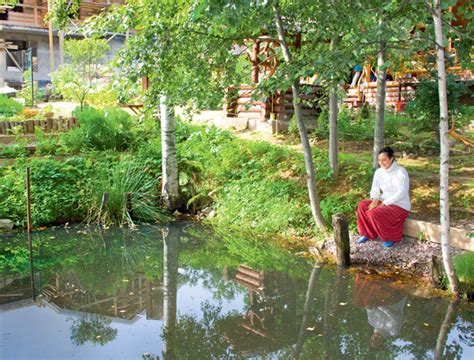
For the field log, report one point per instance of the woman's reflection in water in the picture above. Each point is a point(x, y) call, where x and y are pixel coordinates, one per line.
point(384, 305)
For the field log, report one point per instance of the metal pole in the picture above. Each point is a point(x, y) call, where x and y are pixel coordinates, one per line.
point(28, 231)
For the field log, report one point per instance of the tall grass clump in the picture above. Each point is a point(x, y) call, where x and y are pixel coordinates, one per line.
point(464, 265)
point(123, 178)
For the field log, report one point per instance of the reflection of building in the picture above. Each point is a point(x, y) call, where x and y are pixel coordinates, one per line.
point(270, 320)
point(66, 294)
point(14, 288)
point(23, 27)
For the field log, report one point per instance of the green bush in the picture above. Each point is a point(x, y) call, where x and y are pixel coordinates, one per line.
point(45, 144)
point(425, 107)
point(18, 148)
point(57, 190)
point(9, 106)
point(109, 129)
point(356, 125)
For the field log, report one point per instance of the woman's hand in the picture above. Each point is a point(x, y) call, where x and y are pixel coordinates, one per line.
point(374, 204)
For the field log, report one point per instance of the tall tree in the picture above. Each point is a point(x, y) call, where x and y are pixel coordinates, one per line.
point(295, 87)
point(444, 152)
point(180, 62)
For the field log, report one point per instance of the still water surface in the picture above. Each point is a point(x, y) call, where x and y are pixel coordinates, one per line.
point(181, 292)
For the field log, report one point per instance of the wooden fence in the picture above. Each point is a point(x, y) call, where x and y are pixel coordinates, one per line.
point(59, 124)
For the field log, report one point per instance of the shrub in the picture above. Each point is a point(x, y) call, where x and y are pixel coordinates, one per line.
point(356, 125)
point(18, 148)
point(425, 107)
point(45, 144)
point(9, 106)
point(57, 188)
point(109, 129)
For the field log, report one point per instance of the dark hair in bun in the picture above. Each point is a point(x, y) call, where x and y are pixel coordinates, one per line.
point(388, 151)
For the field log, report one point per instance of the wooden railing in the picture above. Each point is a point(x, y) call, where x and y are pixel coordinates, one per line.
point(33, 13)
point(59, 124)
point(32, 16)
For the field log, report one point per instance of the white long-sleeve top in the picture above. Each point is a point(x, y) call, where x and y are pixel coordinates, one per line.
point(391, 186)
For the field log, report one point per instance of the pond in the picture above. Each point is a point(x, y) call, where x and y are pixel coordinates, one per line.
point(181, 292)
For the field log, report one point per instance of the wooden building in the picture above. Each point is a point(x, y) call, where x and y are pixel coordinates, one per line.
point(269, 111)
point(24, 27)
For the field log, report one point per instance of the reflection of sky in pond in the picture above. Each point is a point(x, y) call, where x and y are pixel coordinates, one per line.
point(264, 307)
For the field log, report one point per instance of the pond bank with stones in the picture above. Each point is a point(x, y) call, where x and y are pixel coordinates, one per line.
point(410, 255)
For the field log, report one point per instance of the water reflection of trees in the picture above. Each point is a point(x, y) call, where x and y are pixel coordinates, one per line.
point(92, 328)
point(291, 312)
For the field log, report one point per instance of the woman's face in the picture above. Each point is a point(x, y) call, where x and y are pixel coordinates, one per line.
point(384, 161)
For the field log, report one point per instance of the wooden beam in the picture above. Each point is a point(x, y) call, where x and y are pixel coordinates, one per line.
point(432, 232)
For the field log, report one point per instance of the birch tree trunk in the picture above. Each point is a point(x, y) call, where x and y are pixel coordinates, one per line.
point(444, 154)
point(170, 182)
point(380, 101)
point(333, 135)
point(311, 179)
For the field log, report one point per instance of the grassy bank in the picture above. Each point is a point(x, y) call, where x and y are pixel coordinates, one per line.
point(251, 185)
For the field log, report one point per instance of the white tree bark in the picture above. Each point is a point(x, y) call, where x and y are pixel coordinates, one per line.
point(170, 181)
point(311, 179)
point(444, 154)
point(333, 135)
point(380, 100)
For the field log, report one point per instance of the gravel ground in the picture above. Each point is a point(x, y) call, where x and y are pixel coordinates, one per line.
point(410, 254)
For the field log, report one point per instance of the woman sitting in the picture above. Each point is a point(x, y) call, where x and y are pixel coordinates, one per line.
point(384, 214)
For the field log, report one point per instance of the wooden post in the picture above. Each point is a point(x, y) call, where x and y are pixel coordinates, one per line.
point(51, 41)
point(35, 11)
point(28, 231)
point(437, 275)
point(255, 62)
point(341, 238)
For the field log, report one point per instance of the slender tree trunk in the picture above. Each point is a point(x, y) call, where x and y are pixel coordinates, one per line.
point(444, 155)
point(380, 101)
point(170, 288)
point(170, 184)
point(333, 112)
point(311, 179)
point(333, 135)
point(444, 330)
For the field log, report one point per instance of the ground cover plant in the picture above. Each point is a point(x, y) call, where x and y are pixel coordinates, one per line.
point(9, 107)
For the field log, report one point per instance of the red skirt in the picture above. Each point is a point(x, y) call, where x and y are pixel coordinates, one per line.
point(385, 222)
